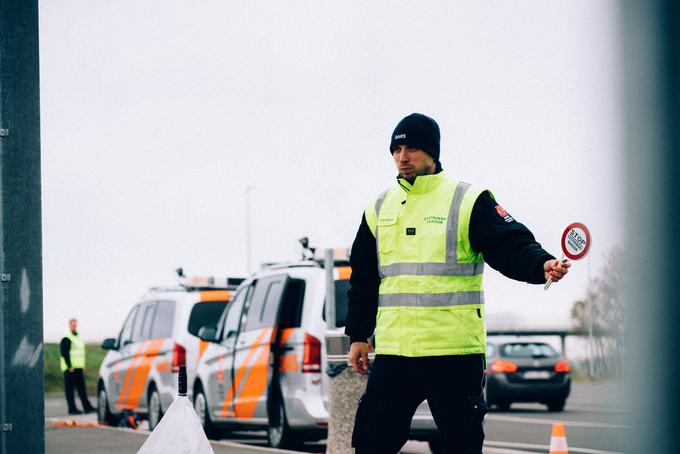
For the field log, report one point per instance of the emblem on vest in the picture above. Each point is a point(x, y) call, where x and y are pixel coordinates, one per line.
point(434, 220)
point(410, 230)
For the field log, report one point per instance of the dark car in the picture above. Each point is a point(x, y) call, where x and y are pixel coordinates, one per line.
point(526, 371)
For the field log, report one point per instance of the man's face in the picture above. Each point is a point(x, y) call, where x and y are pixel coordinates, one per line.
point(412, 162)
point(73, 324)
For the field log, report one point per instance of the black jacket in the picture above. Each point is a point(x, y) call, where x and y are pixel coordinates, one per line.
point(65, 350)
point(507, 245)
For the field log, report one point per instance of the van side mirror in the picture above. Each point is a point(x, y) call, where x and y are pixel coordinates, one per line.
point(208, 333)
point(109, 344)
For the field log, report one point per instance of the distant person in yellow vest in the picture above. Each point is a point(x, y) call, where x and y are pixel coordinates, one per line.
point(416, 283)
point(72, 362)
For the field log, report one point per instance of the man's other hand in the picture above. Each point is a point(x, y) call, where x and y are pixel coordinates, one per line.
point(358, 357)
point(555, 269)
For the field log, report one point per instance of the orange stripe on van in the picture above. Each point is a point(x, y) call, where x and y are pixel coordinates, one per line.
point(238, 377)
point(128, 373)
point(256, 383)
point(141, 374)
point(254, 387)
point(163, 367)
point(285, 334)
point(289, 363)
point(214, 295)
point(344, 272)
point(202, 346)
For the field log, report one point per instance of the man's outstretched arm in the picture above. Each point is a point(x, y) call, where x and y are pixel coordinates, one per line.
point(509, 247)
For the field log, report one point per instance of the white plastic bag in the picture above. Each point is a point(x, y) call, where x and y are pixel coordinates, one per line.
point(179, 432)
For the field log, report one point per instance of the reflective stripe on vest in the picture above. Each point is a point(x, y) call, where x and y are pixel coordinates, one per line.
point(430, 299)
point(77, 353)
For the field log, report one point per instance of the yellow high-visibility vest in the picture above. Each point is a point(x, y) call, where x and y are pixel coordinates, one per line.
point(431, 300)
point(77, 353)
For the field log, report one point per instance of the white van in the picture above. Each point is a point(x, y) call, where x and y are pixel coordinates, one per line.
point(139, 372)
point(265, 366)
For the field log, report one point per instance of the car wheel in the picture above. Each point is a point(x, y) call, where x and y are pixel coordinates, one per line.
point(155, 410)
point(279, 434)
point(556, 405)
point(201, 408)
point(104, 415)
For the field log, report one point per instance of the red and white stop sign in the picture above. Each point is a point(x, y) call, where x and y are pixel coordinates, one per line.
point(576, 241)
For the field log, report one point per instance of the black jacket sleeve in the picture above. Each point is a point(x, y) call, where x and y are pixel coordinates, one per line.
point(65, 350)
point(507, 245)
point(362, 305)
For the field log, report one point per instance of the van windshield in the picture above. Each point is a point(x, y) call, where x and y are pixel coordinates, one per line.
point(205, 314)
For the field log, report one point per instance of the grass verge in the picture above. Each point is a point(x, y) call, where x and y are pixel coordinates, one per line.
point(54, 377)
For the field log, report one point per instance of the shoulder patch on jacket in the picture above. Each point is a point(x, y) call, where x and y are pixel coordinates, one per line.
point(504, 214)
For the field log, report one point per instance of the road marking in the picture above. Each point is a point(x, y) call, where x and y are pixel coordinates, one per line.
point(549, 422)
point(253, 447)
point(230, 444)
point(504, 444)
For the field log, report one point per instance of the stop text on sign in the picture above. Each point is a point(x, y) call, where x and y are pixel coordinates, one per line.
point(576, 241)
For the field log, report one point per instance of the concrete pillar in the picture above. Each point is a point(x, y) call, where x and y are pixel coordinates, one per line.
point(650, 37)
point(346, 389)
point(346, 386)
point(21, 329)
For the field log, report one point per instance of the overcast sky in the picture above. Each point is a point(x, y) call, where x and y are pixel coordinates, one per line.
point(157, 115)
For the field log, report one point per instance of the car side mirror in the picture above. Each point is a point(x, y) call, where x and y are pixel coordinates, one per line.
point(208, 333)
point(109, 344)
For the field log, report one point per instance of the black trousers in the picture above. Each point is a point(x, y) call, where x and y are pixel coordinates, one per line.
point(452, 386)
point(76, 379)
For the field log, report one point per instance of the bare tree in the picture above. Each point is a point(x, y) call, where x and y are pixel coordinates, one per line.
point(608, 316)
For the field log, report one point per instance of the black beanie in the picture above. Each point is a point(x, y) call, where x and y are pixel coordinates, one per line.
point(418, 131)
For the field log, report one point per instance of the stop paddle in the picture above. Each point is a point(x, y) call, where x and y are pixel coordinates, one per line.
point(575, 244)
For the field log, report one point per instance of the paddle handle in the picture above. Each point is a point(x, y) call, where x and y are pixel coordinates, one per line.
point(547, 284)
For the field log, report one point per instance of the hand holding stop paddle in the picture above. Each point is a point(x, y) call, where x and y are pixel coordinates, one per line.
point(575, 246)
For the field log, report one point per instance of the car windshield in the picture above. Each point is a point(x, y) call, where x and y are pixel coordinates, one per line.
point(527, 350)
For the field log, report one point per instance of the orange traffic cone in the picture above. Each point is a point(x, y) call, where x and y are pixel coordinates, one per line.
point(558, 440)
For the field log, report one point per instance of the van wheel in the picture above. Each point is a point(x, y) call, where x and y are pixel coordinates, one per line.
point(104, 415)
point(279, 434)
point(155, 409)
point(201, 408)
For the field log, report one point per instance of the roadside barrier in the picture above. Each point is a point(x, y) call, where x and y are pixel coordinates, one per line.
point(558, 440)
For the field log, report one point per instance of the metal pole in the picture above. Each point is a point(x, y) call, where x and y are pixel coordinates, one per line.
point(329, 266)
point(591, 348)
point(249, 246)
point(22, 418)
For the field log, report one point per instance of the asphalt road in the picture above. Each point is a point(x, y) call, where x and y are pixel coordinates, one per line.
point(595, 421)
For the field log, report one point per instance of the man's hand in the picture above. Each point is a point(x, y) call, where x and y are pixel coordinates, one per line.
point(555, 269)
point(358, 357)
point(70, 369)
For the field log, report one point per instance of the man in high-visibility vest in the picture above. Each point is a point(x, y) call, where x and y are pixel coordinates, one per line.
point(72, 361)
point(416, 283)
